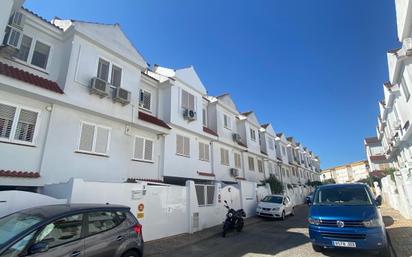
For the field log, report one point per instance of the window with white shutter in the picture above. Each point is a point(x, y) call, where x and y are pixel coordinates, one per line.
point(143, 149)
point(182, 145)
point(17, 124)
point(224, 156)
point(204, 117)
point(271, 144)
point(260, 165)
point(253, 134)
point(145, 100)
point(227, 123)
point(7, 114)
point(238, 163)
point(188, 100)
point(94, 138)
point(203, 151)
point(251, 162)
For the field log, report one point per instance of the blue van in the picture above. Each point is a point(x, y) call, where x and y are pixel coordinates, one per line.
point(347, 216)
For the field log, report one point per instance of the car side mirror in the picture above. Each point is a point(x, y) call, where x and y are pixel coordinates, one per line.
point(39, 247)
point(378, 200)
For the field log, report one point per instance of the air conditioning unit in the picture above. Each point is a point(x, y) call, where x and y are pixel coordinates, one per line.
point(234, 172)
point(407, 45)
point(237, 138)
point(99, 87)
point(189, 114)
point(121, 95)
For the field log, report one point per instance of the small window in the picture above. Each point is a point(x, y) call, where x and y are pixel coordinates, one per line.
point(101, 221)
point(182, 145)
point(40, 55)
point(224, 156)
point(227, 122)
point(204, 117)
point(116, 78)
point(145, 100)
point(94, 138)
point(238, 163)
point(252, 134)
point(143, 149)
point(24, 50)
point(188, 100)
point(24, 130)
point(203, 151)
point(260, 165)
point(405, 89)
point(271, 144)
point(61, 231)
point(205, 194)
point(103, 70)
point(251, 162)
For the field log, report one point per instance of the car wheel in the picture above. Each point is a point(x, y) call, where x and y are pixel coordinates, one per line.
point(292, 213)
point(317, 248)
point(283, 216)
point(131, 253)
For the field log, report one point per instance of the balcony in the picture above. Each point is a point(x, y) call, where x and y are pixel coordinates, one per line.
point(395, 59)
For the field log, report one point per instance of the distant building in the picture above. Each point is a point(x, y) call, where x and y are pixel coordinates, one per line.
point(347, 173)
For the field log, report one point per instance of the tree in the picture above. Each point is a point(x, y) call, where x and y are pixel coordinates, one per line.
point(329, 181)
point(275, 185)
point(313, 183)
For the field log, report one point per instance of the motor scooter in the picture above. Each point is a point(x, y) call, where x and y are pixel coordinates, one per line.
point(234, 220)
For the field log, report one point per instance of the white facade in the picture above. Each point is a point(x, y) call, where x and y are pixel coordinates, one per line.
point(349, 173)
point(156, 124)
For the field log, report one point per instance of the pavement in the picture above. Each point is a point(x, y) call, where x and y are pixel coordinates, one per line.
point(260, 238)
point(399, 230)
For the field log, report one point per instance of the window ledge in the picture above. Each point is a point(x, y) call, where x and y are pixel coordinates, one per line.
point(182, 155)
point(204, 160)
point(17, 143)
point(29, 65)
point(145, 161)
point(90, 153)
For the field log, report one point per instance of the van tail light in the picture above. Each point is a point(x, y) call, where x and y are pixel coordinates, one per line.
point(138, 229)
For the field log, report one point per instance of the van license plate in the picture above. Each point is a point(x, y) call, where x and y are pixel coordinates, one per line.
point(344, 244)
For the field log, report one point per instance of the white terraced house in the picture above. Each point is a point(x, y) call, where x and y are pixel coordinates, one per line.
point(392, 146)
point(76, 103)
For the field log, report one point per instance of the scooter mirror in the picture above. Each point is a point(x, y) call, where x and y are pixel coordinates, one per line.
point(225, 201)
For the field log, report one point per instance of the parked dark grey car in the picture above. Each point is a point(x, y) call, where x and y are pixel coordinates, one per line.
point(71, 230)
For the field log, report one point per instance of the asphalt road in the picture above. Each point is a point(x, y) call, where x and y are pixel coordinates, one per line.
point(287, 238)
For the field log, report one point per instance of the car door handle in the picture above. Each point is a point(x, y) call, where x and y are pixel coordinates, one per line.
point(75, 253)
point(119, 238)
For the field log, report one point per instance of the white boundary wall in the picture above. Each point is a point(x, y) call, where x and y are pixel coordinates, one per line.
point(398, 193)
point(168, 209)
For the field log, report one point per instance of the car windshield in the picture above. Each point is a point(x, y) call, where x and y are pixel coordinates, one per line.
point(16, 223)
point(272, 199)
point(342, 196)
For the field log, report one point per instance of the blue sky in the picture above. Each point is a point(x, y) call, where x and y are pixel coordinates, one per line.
point(314, 69)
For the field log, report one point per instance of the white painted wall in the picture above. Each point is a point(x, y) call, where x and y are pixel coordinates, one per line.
point(182, 166)
point(63, 140)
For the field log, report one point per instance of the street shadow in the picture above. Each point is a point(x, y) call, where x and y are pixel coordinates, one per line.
point(401, 240)
point(268, 237)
